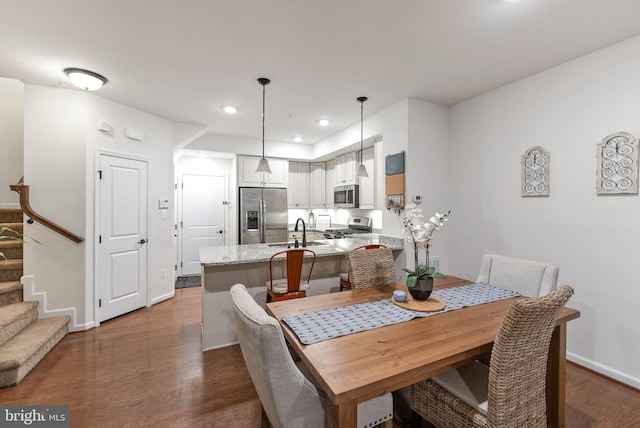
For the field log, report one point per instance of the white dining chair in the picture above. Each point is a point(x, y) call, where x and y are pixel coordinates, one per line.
point(529, 278)
point(289, 398)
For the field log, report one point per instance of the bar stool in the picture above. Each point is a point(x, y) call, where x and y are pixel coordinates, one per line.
point(344, 277)
point(289, 287)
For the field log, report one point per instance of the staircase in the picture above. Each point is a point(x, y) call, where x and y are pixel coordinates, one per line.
point(24, 339)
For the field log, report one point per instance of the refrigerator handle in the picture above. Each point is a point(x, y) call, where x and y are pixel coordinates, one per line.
point(263, 226)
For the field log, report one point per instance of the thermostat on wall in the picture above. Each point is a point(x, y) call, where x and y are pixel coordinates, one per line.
point(163, 204)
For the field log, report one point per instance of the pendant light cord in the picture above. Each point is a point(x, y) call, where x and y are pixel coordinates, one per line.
point(263, 85)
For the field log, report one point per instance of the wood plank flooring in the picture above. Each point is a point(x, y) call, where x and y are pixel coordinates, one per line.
point(145, 369)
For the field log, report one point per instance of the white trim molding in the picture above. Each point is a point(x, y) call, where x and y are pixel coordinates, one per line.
point(612, 373)
point(29, 293)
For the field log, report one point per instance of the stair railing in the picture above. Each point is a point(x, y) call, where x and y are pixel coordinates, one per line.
point(23, 191)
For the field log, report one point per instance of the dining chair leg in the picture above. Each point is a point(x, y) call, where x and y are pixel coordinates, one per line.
point(416, 420)
point(264, 421)
point(387, 424)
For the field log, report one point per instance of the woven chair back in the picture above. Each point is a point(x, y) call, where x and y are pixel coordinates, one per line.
point(371, 268)
point(518, 367)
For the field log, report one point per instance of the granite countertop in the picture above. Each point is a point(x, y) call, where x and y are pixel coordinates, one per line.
point(254, 253)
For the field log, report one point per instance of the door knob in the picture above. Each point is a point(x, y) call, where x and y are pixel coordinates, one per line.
point(220, 231)
point(142, 241)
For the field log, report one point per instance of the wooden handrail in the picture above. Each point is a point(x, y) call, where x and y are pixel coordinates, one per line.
point(23, 191)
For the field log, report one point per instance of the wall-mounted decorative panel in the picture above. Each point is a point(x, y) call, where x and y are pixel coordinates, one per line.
point(535, 172)
point(617, 164)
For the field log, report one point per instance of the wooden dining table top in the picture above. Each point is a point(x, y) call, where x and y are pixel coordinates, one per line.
point(364, 365)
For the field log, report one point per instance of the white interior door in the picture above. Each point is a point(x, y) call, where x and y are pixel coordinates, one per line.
point(203, 222)
point(122, 247)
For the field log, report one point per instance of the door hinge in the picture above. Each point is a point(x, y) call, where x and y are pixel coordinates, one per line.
point(99, 239)
point(99, 175)
point(99, 303)
point(180, 265)
point(175, 186)
point(175, 267)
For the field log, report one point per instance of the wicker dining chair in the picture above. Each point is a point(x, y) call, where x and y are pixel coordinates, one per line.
point(344, 276)
point(370, 268)
point(511, 391)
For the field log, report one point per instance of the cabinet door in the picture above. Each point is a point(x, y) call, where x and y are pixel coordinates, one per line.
point(279, 173)
point(340, 179)
point(367, 184)
point(350, 168)
point(247, 175)
point(330, 181)
point(298, 186)
point(317, 186)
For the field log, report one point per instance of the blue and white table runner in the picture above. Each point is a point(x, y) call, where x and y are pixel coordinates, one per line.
point(315, 327)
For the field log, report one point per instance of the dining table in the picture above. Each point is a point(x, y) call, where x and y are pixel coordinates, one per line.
point(357, 367)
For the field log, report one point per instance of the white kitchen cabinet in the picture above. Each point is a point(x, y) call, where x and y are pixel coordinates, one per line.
point(317, 185)
point(298, 188)
point(330, 181)
point(248, 177)
point(368, 184)
point(346, 169)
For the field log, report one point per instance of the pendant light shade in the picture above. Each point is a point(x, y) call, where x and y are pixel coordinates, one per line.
point(362, 170)
point(263, 165)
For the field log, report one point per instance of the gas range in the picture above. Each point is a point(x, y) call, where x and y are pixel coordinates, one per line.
point(356, 225)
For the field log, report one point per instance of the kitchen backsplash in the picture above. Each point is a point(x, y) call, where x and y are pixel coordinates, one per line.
point(339, 217)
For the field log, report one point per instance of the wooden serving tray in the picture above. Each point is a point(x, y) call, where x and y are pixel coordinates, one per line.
point(432, 304)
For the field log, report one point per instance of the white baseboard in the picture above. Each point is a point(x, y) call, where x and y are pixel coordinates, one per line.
point(163, 298)
point(622, 377)
point(29, 293)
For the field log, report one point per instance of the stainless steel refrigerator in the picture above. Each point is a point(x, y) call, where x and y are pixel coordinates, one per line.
point(263, 215)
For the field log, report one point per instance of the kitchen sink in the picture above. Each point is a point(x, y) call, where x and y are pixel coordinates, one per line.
point(292, 244)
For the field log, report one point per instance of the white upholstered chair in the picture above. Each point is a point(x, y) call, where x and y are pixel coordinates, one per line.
point(289, 399)
point(529, 278)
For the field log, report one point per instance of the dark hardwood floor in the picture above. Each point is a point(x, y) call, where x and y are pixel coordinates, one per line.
point(146, 369)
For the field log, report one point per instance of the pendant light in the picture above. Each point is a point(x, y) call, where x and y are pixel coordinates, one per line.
point(263, 165)
point(362, 170)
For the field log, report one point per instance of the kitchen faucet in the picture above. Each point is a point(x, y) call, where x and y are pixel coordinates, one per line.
point(304, 233)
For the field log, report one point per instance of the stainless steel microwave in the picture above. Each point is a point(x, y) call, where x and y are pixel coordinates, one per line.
point(346, 196)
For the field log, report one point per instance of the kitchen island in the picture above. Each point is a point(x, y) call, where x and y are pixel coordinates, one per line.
point(225, 266)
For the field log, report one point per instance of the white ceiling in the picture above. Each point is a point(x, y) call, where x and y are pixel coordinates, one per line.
point(183, 60)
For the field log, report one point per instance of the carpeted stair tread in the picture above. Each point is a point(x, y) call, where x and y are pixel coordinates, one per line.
point(9, 243)
point(9, 286)
point(22, 353)
point(11, 264)
point(18, 227)
point(15, 318)
point(10, 292)
point(11, 215)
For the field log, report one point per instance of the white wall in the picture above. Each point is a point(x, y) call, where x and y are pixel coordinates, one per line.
point(593, 239)
point(251, 146)
point(11, 135)
point(60, 140)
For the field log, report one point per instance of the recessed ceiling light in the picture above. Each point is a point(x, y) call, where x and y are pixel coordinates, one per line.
point(297, 138)
point(85, 79)
point(324, 122)
point(229, 109)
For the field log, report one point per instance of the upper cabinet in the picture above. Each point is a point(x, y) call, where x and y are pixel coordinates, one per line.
point(346, 169)
point(330, 181)
point(298, 188)
point(248, 177)
point(317, 185)
point(368, 184)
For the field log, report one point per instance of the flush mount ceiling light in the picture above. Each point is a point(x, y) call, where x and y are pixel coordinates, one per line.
point(229, 109)
point(85, 79)
point(362, 171)
point(324, 122)
point(263, 164)
point(297, 138)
